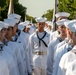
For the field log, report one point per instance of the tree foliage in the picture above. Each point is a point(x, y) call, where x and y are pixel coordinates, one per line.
point(68, 6)
point(30, 18)
point(48, 15)
point(18, 8)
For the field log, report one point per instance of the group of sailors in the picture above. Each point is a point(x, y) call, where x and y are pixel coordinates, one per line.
point(34, 49)
point(14, 35)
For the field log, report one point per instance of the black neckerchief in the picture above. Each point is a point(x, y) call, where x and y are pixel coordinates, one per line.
point(69, 48)
point(1, 47)
point(60, 39)
point(6, 42)
point(18, 32)
point(16, 37)
point(41, 39)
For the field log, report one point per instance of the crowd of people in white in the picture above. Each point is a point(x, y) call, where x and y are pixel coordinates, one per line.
point(35, 49)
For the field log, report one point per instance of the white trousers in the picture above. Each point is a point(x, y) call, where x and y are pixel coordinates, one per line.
point(39, 71)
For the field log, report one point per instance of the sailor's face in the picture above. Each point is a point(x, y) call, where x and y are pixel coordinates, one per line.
point(15, 27)
point(41, 25)
point(69, 33)
point(27, 29)
point(62, 30)
point(74, 37)
point(9, 32)
point(4, 32)
point(0, 34)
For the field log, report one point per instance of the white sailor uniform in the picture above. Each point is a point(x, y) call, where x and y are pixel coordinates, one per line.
point(71, 68)
point(3, 66)
point(38, 50)
point(23, 38)
point(65, 60)
point(51, 52)
point(15, 52)
point(54, 35)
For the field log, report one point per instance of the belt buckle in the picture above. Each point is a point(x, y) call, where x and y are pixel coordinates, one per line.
point(40, 53)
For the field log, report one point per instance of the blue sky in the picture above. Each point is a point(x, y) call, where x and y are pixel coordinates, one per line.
point(36, 8)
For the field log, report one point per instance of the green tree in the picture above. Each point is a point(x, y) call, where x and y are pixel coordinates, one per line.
point(21, 10)
point(48, 15)
point(68, 6)
point(18, 8)
point(3, 8)
point(3, 4)
point(30, 17)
